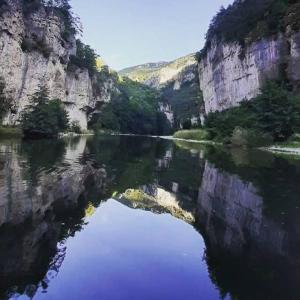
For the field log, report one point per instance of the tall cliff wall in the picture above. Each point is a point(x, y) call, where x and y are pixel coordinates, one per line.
point(34, 51)
point(230, 74)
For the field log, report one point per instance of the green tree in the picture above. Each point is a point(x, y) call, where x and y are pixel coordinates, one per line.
point(44, 118)
point(85, 57)
point(4, 100)
point(276, 111)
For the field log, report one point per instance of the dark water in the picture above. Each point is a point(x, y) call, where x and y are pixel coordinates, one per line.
point(140, 218)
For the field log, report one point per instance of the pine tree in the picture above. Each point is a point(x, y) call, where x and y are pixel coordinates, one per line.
point(44, 117)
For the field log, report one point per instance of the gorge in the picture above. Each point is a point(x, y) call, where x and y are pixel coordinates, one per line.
point(99, 201)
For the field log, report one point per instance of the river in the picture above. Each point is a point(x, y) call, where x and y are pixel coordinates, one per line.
point(145, 218)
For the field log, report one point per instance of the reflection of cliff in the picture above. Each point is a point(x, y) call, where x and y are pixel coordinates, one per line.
point(39, 206)
point(32, 181)
point(249, 255)
point(155, 199)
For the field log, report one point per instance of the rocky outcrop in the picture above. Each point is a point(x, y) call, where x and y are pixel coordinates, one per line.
point(230, 73)
point(166, 109)
point(34, 51)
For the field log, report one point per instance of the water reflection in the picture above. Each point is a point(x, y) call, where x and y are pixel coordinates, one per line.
point(52, 195)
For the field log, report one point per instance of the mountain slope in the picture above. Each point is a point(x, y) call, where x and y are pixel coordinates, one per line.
point(158, 74)
point(178, 83)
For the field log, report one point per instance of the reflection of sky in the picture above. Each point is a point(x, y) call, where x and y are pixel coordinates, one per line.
point(133, 254)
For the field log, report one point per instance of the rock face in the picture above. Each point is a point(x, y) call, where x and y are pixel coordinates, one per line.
point(230, 74)
point(25, 67)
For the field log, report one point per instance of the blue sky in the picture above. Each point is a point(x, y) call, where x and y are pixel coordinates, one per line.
point(131, 32)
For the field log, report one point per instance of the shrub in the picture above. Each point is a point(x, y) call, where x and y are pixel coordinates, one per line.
point(29, 45)
point(10, 132)
point(43, 118)
point(221, 124)
point(75, 127)
point(163, 124)
point(194, 134)
point(187, 124)
point(108, 120)
point(249, 138)
point(85, 58)
point(5, 102)
point(275, 111)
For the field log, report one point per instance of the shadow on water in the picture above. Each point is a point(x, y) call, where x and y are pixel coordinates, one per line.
point(245, 204)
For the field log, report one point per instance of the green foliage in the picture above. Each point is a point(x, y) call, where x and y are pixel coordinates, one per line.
point(222, 124)
point(249, 20)
point(5, 102)
point(187, 124)
point(249, 138)
point(75, 127)
point(186, 102)
point(62, 8)
point(292, 142)
point(44, 118)
point(10, 132)
point(133, 110)
point(108, 120)
point(163, 126)
point(151, 72)
point(85, 58)
point(29, 45)
point(274, 111)
point(194, 134)
point(277, 112)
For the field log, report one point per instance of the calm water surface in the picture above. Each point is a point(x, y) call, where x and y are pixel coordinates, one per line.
point(141, 218)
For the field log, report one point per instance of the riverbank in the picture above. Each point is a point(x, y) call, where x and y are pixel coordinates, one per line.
point(207, 142)
point(10, 132)
point(291, 147)
point(282, 150)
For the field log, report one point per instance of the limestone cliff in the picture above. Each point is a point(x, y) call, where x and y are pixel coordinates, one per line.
point(230, 73)
point(248, 43)
point(34, 51)
point(27, 193)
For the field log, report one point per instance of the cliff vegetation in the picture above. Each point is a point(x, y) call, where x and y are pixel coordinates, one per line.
point(246, 21)
point(134, 109)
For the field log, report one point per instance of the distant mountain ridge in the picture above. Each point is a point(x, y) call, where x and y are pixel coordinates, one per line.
point(158, 74)
point(178, 82)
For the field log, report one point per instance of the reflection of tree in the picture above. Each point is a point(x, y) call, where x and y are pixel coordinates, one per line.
point(129, 161)
point(243, 269)
point(29, 255)
point(42, 155)
point(276, 179)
